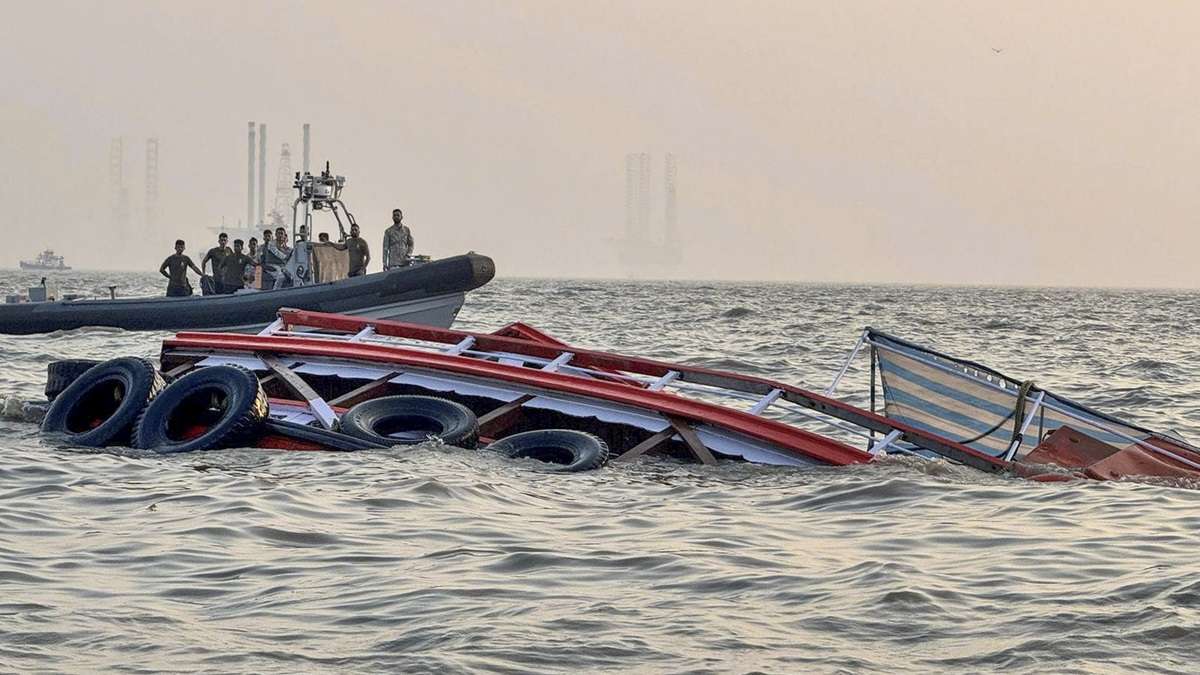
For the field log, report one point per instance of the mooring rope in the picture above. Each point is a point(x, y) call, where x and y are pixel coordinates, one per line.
point(1017, 414)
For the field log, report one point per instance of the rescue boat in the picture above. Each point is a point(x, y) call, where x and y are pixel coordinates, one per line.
point(320, 381)
point(429, 293)
point(314, 276)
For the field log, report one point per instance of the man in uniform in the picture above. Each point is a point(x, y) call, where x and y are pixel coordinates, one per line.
point(397, 242)
point(217, 255)
point(233, 271)
point(175, 268)
point(360, 253)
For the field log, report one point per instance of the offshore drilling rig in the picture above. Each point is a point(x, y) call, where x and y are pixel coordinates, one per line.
point(647, 250)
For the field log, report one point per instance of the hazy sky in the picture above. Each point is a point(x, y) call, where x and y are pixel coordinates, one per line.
point(832, 141)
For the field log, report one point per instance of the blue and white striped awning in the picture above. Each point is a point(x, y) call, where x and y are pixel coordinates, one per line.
point(973, 404)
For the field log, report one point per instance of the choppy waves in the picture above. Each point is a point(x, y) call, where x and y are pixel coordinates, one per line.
point(438, 559)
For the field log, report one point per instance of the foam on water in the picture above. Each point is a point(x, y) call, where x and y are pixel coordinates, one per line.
point(441, 559)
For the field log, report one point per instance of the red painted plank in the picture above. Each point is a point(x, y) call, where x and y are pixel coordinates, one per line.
point(524, 331)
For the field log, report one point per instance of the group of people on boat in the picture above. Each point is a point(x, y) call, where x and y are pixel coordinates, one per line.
point(265, 267)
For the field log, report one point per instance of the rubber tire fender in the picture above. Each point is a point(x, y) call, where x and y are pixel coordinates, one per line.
point(570, 450)
point(245, 407)
point(425, 417)
point(60, 375)
point(131, 383)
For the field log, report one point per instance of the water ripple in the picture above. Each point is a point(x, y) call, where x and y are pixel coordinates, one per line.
point(435, 559)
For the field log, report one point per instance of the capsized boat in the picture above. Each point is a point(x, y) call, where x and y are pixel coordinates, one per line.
point(316, 381)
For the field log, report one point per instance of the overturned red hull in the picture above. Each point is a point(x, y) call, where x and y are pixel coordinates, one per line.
point(316, 366)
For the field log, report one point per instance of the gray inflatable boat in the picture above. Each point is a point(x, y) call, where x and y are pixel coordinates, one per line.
point(431, 293)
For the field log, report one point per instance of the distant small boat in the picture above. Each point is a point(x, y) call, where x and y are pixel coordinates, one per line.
point(45, 261)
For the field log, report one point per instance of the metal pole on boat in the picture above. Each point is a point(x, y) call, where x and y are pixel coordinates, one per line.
point(1012, 448)
point(872, 387)
point(846, 366)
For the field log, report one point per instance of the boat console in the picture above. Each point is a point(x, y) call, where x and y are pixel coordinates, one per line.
point(307, 264)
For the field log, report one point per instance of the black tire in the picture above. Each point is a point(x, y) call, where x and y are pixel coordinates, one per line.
point(330, 439)
point(571, 450)
point(60, 375)
point(224, 404)
point(409, 420)
point(101, 405)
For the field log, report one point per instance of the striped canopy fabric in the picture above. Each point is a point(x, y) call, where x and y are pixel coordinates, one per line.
point(975, 405)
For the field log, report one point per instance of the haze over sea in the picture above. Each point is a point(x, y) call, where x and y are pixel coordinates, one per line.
point(447, 560)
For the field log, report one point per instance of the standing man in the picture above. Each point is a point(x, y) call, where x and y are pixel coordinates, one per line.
point(360, 253)
point(397, 242)
point(253, 277)
point(233, 271)
point(264, 277)
point(217, 255)
point(175, 268)
point(275, 257)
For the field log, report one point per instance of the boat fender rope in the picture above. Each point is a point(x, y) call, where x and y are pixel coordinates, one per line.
point(1017, 414)
point(1019, 410)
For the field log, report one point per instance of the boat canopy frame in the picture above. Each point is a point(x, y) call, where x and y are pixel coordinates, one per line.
point(1040, 401)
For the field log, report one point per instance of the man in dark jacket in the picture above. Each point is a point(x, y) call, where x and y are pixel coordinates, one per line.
point(360, 253)
point(233, 270)
point(175, 268)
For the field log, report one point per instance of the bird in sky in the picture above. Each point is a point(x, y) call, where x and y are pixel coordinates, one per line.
point(997, 50)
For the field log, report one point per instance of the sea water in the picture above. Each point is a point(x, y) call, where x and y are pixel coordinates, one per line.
point(437, 559)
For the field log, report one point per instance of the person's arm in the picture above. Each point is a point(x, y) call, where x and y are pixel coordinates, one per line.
point(193, 266)
point(162, 269)
point(204, 263)
point(409, 238)
point(366, 254)
point(387, 256)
